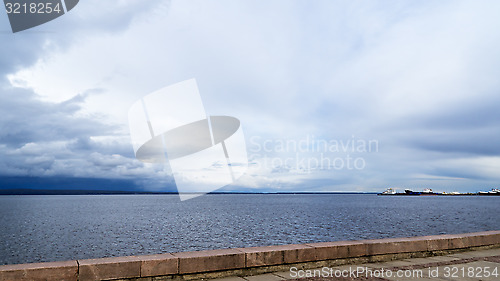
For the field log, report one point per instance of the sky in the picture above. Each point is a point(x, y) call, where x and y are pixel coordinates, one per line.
point(332, 95)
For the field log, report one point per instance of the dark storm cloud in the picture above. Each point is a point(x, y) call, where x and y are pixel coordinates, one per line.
point(45, 139)
point(18, 51)
point(474, 142)
point(42, 139)
point(471, 127)
point(18, 184)
point(26, 119)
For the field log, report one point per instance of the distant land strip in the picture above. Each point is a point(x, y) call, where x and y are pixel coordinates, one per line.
point(21, 191)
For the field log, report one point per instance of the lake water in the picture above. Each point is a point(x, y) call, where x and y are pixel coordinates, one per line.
point(51, 228)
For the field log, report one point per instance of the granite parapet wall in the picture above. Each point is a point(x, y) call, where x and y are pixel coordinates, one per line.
point(227, 262)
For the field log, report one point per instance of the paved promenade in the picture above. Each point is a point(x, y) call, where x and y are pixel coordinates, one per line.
point(466, 256)
point(473, 265)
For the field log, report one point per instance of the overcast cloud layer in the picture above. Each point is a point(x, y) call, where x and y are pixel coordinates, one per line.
point(405, 92)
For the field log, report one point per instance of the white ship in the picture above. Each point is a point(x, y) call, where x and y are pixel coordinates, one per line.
point(494, 191)
point(389, 191)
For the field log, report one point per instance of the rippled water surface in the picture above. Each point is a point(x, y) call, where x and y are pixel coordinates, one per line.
point(50, 228)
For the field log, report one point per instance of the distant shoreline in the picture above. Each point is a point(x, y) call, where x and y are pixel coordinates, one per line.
point(114, 192)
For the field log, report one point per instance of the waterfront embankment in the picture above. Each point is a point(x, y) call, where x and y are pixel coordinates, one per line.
point(251, 261)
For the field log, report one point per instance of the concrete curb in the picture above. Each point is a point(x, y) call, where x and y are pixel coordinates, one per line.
point(226, 262)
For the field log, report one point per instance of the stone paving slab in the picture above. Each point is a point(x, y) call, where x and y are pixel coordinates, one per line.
point(432, 259)
point(231, 279)
point(284, 274)
point(449, 273)
point(389, 264)
point(415, 279)
point(485, 253)
point(264, 277)
point(394, 278)
point(444, 266)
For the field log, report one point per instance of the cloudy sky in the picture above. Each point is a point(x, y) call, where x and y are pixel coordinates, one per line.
point(331, 95)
